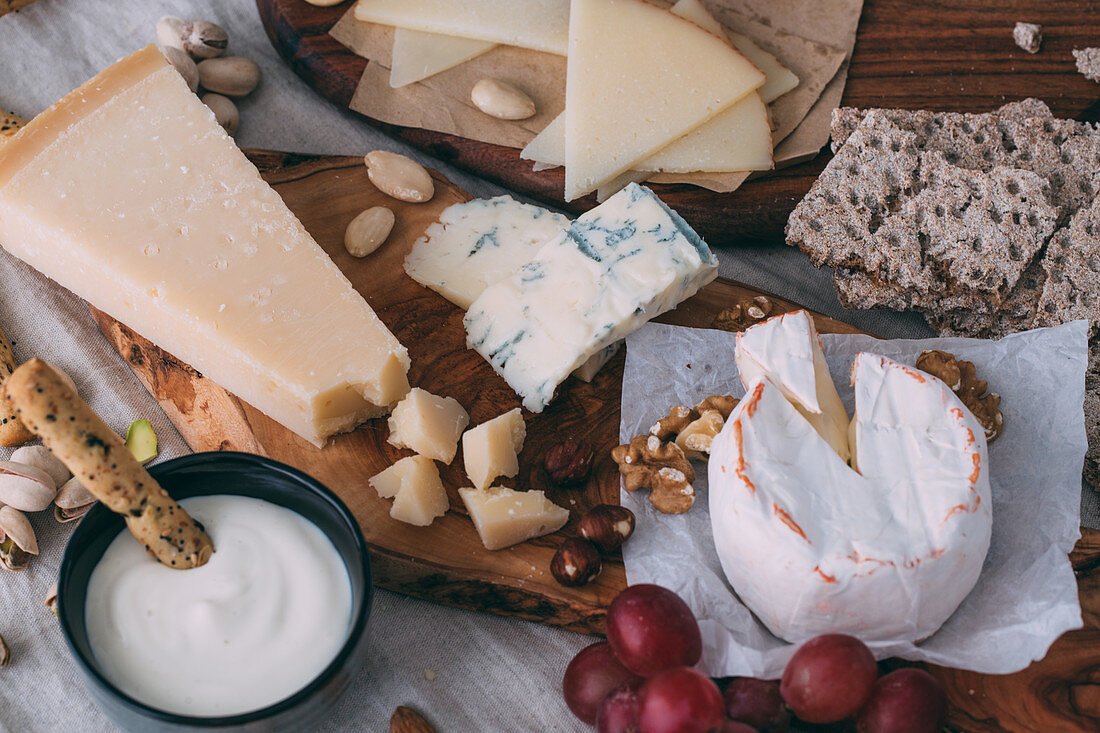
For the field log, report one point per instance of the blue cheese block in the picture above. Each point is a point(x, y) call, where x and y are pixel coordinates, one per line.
point(616, 267)
point(476, 243)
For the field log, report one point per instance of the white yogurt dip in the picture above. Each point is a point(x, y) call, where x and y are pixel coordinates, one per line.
point(253, 626)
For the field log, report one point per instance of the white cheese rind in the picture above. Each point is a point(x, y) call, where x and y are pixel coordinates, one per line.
point(626, 99)
point(477, 243)
point(418, 55)
point(813, 547)
point(541, 25)
point(504, 517)
point(787, 350)
point(428, 424)
point(128, 193)
point(491, 450)
point(616, 267)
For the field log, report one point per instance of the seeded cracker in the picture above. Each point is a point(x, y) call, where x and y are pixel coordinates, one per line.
point(1016, 314)
point(1088, 62)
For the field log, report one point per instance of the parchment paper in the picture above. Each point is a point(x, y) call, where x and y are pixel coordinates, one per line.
point(1026, 596)
point(812, 39)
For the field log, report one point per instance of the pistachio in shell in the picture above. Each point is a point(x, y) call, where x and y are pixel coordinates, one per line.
point(17, 540)
point(43, 459)
point(73, 501)
point(25, 487)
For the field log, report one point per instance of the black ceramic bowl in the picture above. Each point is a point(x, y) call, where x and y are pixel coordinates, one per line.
point(204, 474)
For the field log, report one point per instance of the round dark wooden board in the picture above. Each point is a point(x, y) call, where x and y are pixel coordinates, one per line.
point(934, 55)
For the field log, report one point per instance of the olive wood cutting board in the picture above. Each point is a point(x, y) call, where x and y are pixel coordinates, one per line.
point(947, 56)
point(446, 562)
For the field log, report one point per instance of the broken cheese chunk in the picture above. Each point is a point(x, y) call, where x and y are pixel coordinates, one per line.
point(414, 485)
point(492, 449)
point(428, 424)
point(505, 517)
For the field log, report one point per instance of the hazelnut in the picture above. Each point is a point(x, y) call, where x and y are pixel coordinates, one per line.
point(608, 526)
point(569, 462)
point(576, 562)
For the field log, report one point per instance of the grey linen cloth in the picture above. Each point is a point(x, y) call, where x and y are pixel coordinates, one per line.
point(465, 671)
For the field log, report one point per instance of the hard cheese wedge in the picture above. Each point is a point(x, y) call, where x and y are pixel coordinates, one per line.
point(617, 266)
point(541, 25)
point(128, 193)
point(626, 98)
point(418, 55)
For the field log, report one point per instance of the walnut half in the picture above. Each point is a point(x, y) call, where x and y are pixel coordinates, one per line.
point(648, 463)
point(962, 379)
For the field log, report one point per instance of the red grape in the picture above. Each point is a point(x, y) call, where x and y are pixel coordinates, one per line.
point(736, 726)
point(756, 702)
point(829, 678)
point(908, 700)
point(680, 700)
point(593, 673)
point(618, 713)
point(651, 629)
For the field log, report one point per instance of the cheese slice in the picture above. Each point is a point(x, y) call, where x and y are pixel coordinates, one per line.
point(541, 25)
point(129, 193)
point(626, 98)
point(787, 350)
point(812, 546)
point(505, 517)
point(418, 55)
point(617, 266)
point(778, 78)
point(738, 139)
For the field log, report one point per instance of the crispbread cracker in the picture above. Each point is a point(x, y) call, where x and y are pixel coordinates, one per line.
point(1072, 266)
point(918, 222)
point(1088, 62)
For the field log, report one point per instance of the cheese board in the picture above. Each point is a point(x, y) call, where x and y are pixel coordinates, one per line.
point(446, 563)
point(957, 56)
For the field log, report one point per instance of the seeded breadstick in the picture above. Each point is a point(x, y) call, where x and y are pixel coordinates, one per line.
point(68, 427)
point(12, 431)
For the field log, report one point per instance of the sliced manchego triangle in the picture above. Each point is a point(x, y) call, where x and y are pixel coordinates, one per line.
point(418, 55)
point(738, 139)
point(779, 79)
point(541, 25)
point(638, 78)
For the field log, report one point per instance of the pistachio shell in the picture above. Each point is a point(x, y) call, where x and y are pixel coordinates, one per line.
point(40, 457)
point(51, 599)
point(73, 501)
point(25, 488)
point(16, 527)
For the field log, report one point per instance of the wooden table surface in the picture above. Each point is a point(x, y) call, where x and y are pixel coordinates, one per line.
point(940, 55)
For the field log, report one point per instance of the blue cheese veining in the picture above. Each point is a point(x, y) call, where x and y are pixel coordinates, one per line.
point(477, 243)
point(614, 268)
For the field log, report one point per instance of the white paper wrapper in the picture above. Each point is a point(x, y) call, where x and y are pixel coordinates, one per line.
point(1026, 596)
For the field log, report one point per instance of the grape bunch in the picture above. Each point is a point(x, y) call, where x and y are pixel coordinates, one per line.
point(643, 680)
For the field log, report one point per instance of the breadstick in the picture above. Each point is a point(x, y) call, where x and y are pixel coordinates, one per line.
point(12, 431)
point(68, 427)
point(9, 125)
